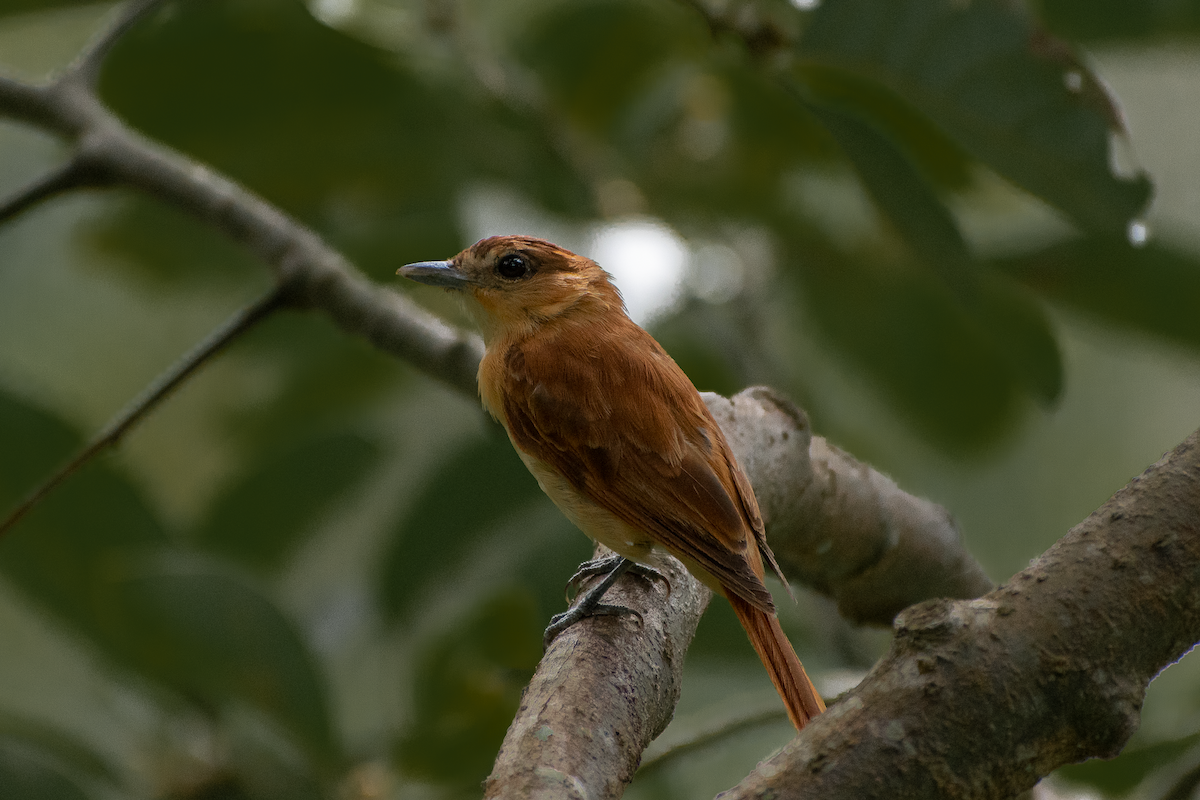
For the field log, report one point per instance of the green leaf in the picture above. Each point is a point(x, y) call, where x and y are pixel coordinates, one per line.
point(266, 763)
point(26, 773)
point(937, 365)
point(1011, 321)
point(1119, 20)
point(162, 247)
point(357, 142)
point(62, 747)
point(32, 443)
point(324, 378)
point(710, 140)
point(904, 197)
point(81, 555)
point(216, 638)
point(938, 158)
point(13, 7)
point(58, 554)
point(593, 56)
point(1018, 328)
point(481, 484)
point(973, 70)
point(467, 688)
point(708, 346)
point(313, 120)
point(263, 517)
point(1155, 288)
point(1120, 775)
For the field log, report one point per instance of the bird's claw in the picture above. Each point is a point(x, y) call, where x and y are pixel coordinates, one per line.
point(589, 604)
point(604, 566)
point(560, 622)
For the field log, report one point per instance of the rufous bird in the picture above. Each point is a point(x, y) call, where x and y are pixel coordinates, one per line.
point(616, 434)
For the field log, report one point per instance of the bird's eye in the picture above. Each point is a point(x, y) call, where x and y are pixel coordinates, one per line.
point(512, 266)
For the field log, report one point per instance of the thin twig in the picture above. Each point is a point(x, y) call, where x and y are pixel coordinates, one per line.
point(27, 103)
point(158, 390)
point(86, 66)
point(714, 733)
point(73, 174)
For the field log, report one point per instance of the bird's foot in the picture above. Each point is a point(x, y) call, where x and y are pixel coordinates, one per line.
point(560, 622)
point(605, 566)
point(589, 604)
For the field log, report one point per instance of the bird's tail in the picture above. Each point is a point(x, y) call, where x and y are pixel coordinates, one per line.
point(787, 673)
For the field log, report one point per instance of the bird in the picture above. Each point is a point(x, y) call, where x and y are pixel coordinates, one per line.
point(617, 435)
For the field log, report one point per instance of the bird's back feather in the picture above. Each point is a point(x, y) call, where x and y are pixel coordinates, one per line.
point(616, 417)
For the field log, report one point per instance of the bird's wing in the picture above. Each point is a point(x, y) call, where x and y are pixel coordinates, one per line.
point(617, 418)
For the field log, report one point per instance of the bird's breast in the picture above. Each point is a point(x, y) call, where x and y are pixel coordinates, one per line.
point(598, 523)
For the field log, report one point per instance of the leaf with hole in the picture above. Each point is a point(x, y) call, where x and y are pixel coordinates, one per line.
point(982, 72)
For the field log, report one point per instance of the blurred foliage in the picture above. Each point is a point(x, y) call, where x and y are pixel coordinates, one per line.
point(1114, 20)
point(26, 774)
point(297, 485)
point(148, 233)
point(992, 82)
point(828, 155)
point(329, 129)
point(58, 746)
point(491, 475)
point(467, 689)
point(216, 638)
point(26, 6)
point(1152, 288)
point(1122, 774)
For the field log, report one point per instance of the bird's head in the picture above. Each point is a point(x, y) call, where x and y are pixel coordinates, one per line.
point(516, 283)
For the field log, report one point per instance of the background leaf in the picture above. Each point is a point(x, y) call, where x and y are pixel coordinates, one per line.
point(204, 632)
point(264, 517)
point(60, 553)
point(1113, 20)
point(467, 689)
point(906, 329)
point(481, 484)
point(972, 70)
point(905, 198)
point(26, 774)
point(1153, 289)
point(57, 746)
point(1120, 775)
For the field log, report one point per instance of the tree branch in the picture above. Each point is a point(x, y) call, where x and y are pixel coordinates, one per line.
point(710, 734)
point(317, 275)
point(604, 690)
point(979, 699)
point(85, 69)
point(26, 103)
point(839, 525)
point(74, 174)
point(600, 691)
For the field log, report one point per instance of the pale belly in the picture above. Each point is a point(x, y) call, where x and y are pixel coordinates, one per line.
point(598, 523)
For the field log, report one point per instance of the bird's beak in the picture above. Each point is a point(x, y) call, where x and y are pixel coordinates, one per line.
point(435, 273)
